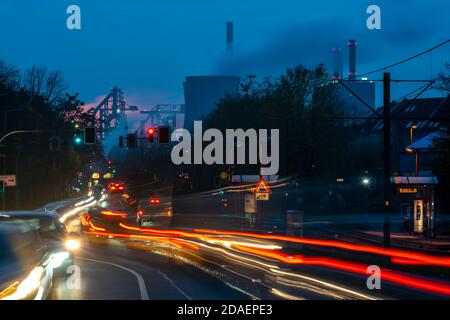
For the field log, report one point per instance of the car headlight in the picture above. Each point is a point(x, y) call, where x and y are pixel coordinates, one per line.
point(72, 244)
point(28, 285)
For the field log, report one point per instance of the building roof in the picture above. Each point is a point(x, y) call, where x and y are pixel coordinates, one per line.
point(423, 113)
point(414, 180)
point(426, 142)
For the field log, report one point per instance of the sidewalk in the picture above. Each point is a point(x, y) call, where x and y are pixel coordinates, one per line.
point(440, 243)
point(368, 229)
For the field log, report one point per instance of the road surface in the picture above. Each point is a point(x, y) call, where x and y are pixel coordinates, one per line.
point(119, 260)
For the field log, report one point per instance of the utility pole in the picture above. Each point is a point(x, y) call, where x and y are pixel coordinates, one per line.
point(387, 157)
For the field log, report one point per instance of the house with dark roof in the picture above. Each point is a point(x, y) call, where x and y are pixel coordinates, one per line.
point(412, 120)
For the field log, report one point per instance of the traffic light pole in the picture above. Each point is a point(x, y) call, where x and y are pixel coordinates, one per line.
point(387, 157)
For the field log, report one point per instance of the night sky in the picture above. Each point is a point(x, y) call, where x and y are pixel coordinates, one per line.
point(147, 47)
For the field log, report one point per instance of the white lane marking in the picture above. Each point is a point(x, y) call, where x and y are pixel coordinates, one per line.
point(140, 279)
point(174, 285)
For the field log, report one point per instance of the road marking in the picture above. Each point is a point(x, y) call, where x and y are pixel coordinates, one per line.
point(140, 279)
point(174, 285)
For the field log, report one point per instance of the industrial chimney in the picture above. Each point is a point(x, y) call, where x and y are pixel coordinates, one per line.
point(337, 63)
point(352, 59)
point(229, 35)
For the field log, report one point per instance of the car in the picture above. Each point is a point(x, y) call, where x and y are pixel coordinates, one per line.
point(115, 187)
point(154, 211)
point(101, 219)
point(26, 266)
point(52, 233)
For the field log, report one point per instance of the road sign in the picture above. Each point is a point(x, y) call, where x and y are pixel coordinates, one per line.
point(262, 187)
point(8, 180)
point(223, 175)
point(250, 203)
point(262, 196)
point(407, 190)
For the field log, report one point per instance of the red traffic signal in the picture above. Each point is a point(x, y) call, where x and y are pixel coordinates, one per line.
point(151, 134)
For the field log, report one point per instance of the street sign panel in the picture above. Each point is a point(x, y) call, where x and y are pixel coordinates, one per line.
point(250, 203)
point(262, 196)
point(8, 180)
point(262, 187)
point(408, 190)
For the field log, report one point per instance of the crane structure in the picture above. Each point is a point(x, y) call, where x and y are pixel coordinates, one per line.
point(111, 112)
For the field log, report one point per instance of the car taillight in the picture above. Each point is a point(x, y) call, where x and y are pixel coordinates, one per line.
point(114, 214)
point(85, 220)
point(155, 201)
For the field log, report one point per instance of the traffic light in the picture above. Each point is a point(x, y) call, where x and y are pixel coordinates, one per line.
point(151, 134)
point(131, 140)
point(78, 139)
point(89, 135)
point(121, 142)
point(163, 133)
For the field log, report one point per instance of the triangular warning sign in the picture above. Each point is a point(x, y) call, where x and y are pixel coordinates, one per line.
point(262, 187)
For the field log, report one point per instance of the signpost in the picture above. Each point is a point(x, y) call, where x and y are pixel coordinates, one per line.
point(262, 190)
point(262, 196)
point(408, 190)
point(8, 180)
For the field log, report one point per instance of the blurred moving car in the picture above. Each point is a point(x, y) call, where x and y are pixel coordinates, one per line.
point(26, 266)
point(154, 211)
point(52, 233)
point(101, 219)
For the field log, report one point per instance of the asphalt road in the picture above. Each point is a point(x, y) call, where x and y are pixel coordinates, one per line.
point(109, 272)
point(205, 264)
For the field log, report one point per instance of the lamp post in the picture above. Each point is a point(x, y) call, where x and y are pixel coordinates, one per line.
point(411, 133)
point(413, 150)
point(416, 152)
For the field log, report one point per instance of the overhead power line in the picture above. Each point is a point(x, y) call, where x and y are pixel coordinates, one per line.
point(407, 59)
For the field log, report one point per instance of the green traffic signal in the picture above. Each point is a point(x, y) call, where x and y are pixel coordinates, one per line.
point(78, 140)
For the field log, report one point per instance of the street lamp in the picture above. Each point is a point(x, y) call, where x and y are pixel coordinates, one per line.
point(411, 133)
point(413, 150)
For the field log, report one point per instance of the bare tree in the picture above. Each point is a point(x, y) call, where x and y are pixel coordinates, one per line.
point(50, 85)
point(443, 80)
point(54, 86)
point(9, 74)
point(35, 79)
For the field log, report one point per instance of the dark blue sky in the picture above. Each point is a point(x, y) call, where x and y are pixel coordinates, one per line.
point(147, 47)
